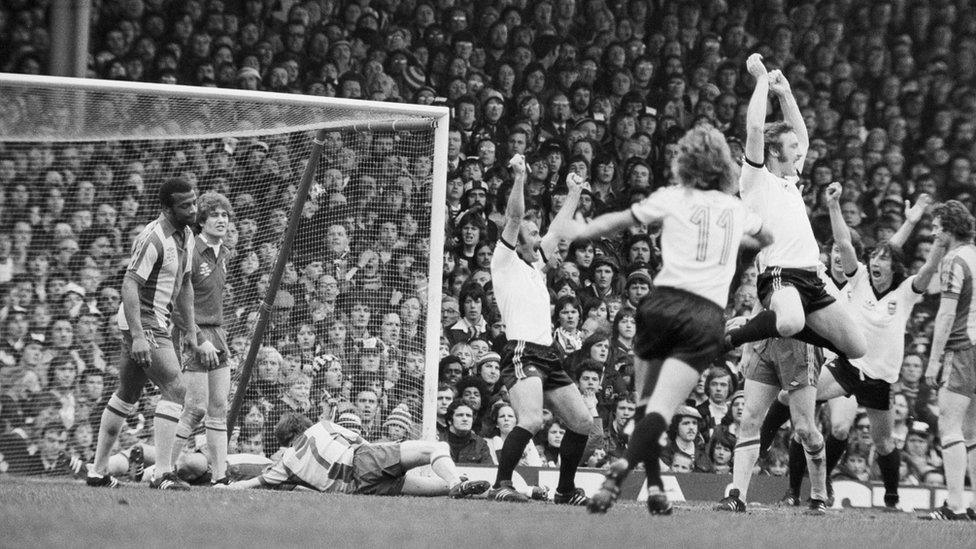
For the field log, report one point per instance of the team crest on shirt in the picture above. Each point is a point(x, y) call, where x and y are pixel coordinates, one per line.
point(205, 270)
point(169, 255)
point(892, 308)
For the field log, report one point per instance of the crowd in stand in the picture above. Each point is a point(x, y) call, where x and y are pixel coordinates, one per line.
point(601, 88)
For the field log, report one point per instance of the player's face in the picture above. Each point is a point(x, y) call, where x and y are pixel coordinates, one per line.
point(880, 267)
point(789, 153)
point(217, 223)
point(184, 209)
point(835, 263)
point(529, 241)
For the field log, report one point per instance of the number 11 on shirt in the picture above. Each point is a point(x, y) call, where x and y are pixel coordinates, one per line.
point(702, 218)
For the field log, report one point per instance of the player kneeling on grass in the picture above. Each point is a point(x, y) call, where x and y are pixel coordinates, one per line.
point(331, 458)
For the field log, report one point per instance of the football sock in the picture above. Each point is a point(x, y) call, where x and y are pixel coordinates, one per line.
point(745, 456)
point(570, 454)
point(817, 469)
point(889, 464)
point(188, 422)
point(762, 326)
point(954, 463)
point(776, 416)
point(807, 335)
point(164, 429)
point(798, 466)
point(217, 445)
point(645, 447)
point(113, 417)
point(835, 448)
point(444, 467)
point(511, 454)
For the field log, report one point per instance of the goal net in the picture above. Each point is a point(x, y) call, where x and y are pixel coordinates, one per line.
point(353, 310)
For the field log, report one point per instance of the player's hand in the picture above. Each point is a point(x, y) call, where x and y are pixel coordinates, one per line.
point(932, 374)
point(735, 322)
point(208, 355)
point(755, 66)
point(833, 192)
point(517, 163)
point(914, 213)
point(778, 83)
point(141, 353)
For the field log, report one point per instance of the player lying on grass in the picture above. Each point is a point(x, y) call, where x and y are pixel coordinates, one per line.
point(330, 458)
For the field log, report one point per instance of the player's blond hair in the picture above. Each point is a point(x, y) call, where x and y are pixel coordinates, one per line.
point(704, 161)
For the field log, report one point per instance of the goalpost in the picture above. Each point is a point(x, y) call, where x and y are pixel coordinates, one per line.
point(338, 205)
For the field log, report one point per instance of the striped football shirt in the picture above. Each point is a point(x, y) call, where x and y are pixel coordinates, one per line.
point(957, 268)
point(160, 260)
point(319, 459)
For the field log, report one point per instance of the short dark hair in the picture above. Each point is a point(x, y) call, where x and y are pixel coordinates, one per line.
point(290, 426)
point(589, 365)
point(171, 187)
point(449, 415)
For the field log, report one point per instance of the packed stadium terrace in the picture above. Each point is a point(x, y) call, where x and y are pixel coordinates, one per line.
point(602, 89)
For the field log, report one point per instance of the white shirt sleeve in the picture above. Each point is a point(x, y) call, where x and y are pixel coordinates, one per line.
point(654, 207)
point(751, 177)
point(752, 223)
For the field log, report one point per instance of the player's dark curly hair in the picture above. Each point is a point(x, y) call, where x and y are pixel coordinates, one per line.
point(704, 161)
point(955, 219)
point(210, 201)
point(290, 426)
point(171, 187)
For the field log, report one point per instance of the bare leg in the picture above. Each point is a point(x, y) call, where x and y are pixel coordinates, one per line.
point(802, 409)
point(835, 323)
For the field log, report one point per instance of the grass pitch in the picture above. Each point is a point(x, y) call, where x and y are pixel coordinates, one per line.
point(52, 514)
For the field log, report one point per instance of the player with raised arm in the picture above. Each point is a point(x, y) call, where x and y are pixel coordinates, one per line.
point(881, 299)
point(208, 384)
point(532, 369)
point(331, 458)
point(158, 277)
point(797, 303)
point(680, 324)
point(952, 362)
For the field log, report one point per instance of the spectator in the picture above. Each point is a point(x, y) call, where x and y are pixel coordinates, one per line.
point(466, 445)
point(685, 440)
point(503, 421)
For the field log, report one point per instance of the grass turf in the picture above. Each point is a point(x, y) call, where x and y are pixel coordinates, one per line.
point(52, 514)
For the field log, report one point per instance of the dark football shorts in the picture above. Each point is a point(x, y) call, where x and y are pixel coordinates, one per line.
point(377, 470)
point(813, 292)
point(522, 359)
point(673, 323)
point(785, 363)
point(213, 334)
point(869, 392)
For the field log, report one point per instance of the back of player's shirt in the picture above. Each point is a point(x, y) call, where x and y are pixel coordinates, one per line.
point(958, 268)
point(699, 239)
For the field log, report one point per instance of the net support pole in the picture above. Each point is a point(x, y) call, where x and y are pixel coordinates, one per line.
point(264, 312)
point(435, 272)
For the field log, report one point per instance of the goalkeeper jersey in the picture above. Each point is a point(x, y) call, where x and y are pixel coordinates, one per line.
point(320, 459)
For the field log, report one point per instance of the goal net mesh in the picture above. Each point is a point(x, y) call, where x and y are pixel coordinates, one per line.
point(79, 173)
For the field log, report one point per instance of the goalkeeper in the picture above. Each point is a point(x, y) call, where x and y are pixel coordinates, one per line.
point(330, 458)
point(208, 383)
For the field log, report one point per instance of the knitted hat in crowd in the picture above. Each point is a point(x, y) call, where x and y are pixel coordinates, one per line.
point(400, 417)
point(490, 356)
point(247, 72)
point(688, 411)
point(639, 276)
point(350, 421)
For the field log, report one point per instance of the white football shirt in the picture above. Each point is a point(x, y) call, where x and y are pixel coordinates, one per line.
point(780, 204)
point(521, 295)
point(699, 239)
point(882, 320)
